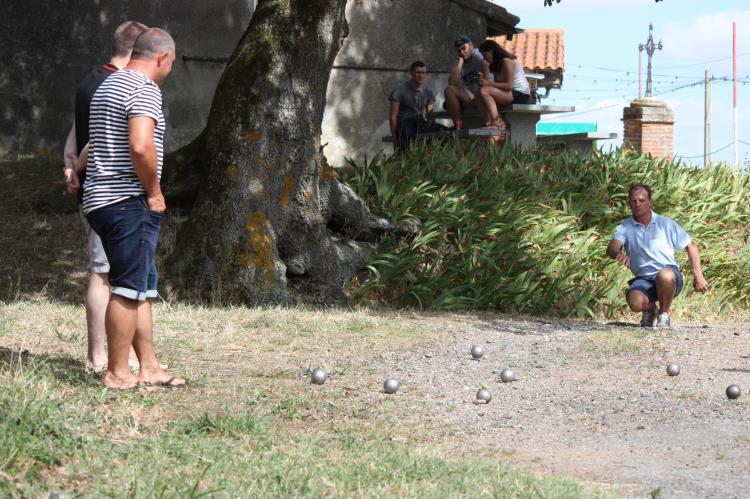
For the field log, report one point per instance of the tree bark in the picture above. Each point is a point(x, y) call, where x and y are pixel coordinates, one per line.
point(269, 216)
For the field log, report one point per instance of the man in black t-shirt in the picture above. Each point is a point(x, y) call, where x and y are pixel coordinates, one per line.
point(97, 292)
point(411, 108)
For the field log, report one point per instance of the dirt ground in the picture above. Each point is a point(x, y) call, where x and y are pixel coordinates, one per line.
point(592, 400)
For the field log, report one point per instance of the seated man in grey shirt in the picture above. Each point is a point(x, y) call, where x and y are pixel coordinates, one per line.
point(411, 108)
point(463, 82)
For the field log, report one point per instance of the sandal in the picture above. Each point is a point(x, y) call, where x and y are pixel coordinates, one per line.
point(170, 385)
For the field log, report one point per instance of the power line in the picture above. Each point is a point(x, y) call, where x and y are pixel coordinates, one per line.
point(576, 113)
point(707, 62)
point(710, 154)
point(600, 68)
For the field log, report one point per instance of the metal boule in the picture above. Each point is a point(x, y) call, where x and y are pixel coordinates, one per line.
point(507, 375)
point(477, 351)
point(733, 392)
point(673, 369)
point(318, 376)
point(391, 385)
point(484, 395)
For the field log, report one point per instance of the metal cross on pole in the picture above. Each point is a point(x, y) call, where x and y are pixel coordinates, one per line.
point(650, 47)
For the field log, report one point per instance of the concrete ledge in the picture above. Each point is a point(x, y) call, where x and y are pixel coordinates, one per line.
point(473, 112)
point(579, 136)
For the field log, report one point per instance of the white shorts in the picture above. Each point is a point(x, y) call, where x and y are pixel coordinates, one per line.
point(98, 263)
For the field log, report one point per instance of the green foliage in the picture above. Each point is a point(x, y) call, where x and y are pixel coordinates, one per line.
point(526, 232)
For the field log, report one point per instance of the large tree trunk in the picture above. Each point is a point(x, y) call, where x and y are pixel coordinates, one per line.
point(268, 211)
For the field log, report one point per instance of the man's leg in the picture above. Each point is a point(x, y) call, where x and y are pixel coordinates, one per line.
point(121, 320)
point(97, 298)
point(641, 298)
point(666, 287)
point(406, 130)
point(143, 342)
point(455, 99)
point(639, 302)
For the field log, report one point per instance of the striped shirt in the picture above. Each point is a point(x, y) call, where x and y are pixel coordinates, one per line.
point(110, 176)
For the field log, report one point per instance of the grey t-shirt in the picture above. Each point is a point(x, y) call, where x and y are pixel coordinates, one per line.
point(471, 70)
point(413, 103)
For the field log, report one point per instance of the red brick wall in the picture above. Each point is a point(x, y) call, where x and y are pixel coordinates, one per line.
point(649, 128)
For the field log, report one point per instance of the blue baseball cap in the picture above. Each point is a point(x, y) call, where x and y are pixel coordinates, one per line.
point(461, 40)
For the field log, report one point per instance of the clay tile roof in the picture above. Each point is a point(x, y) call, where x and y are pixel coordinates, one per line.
point(539, 50)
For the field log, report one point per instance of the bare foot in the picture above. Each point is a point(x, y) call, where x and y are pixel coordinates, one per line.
point(119, 383)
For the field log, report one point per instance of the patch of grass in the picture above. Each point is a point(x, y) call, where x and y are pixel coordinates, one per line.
point(47, 442)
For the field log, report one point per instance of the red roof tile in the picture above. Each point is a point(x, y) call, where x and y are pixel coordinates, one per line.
point(539, 50)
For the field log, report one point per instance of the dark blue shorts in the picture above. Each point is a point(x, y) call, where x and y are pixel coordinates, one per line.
point(647, 285)
point(129, 233)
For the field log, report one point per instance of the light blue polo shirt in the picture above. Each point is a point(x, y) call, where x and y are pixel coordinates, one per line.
point(651, 248)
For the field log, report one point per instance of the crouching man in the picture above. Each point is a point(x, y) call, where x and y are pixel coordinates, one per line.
point(650, 241)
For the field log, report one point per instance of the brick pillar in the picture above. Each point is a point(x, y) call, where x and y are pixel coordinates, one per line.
point(649, 126)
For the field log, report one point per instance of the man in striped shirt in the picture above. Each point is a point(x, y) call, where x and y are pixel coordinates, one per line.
point(97, 291)
point(123, 203)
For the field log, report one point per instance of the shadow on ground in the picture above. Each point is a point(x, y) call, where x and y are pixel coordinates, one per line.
point(66, 369)
point(42, 247)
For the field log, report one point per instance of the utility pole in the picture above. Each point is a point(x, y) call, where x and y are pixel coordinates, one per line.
point(640, 70)
point(707, 122)
point(650, 47)
point(734, 85)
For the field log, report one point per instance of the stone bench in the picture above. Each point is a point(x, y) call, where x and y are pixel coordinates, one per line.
point(522, 119)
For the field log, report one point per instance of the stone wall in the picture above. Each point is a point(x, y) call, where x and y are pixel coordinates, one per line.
point(48, 46)
point(385, 37)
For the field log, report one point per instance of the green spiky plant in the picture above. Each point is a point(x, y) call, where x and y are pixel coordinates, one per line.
point(525, 231)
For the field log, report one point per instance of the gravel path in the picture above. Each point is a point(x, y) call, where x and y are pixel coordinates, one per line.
point(592, 400)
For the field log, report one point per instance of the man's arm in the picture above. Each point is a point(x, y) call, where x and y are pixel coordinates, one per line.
point(70, 162)
point(143, 156)
point(83, 159)
point(614, 251)
point(699, 282)
point(393, 117)
point(429, 114)
point(455, 77)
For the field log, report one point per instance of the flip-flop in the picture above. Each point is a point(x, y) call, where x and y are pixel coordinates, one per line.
point(168, 384)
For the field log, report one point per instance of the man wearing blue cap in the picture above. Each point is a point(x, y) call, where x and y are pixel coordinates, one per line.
point(463, 82)
point(650, 241)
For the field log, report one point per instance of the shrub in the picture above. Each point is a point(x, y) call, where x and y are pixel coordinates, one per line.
point(525, 231)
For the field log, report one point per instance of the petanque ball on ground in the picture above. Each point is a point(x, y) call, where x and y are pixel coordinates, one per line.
point(507, 375)
point(477, 351)
point(484, 395)
point(318, 376)
point(391, 385)
point(673, 369)
point(733, 392)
